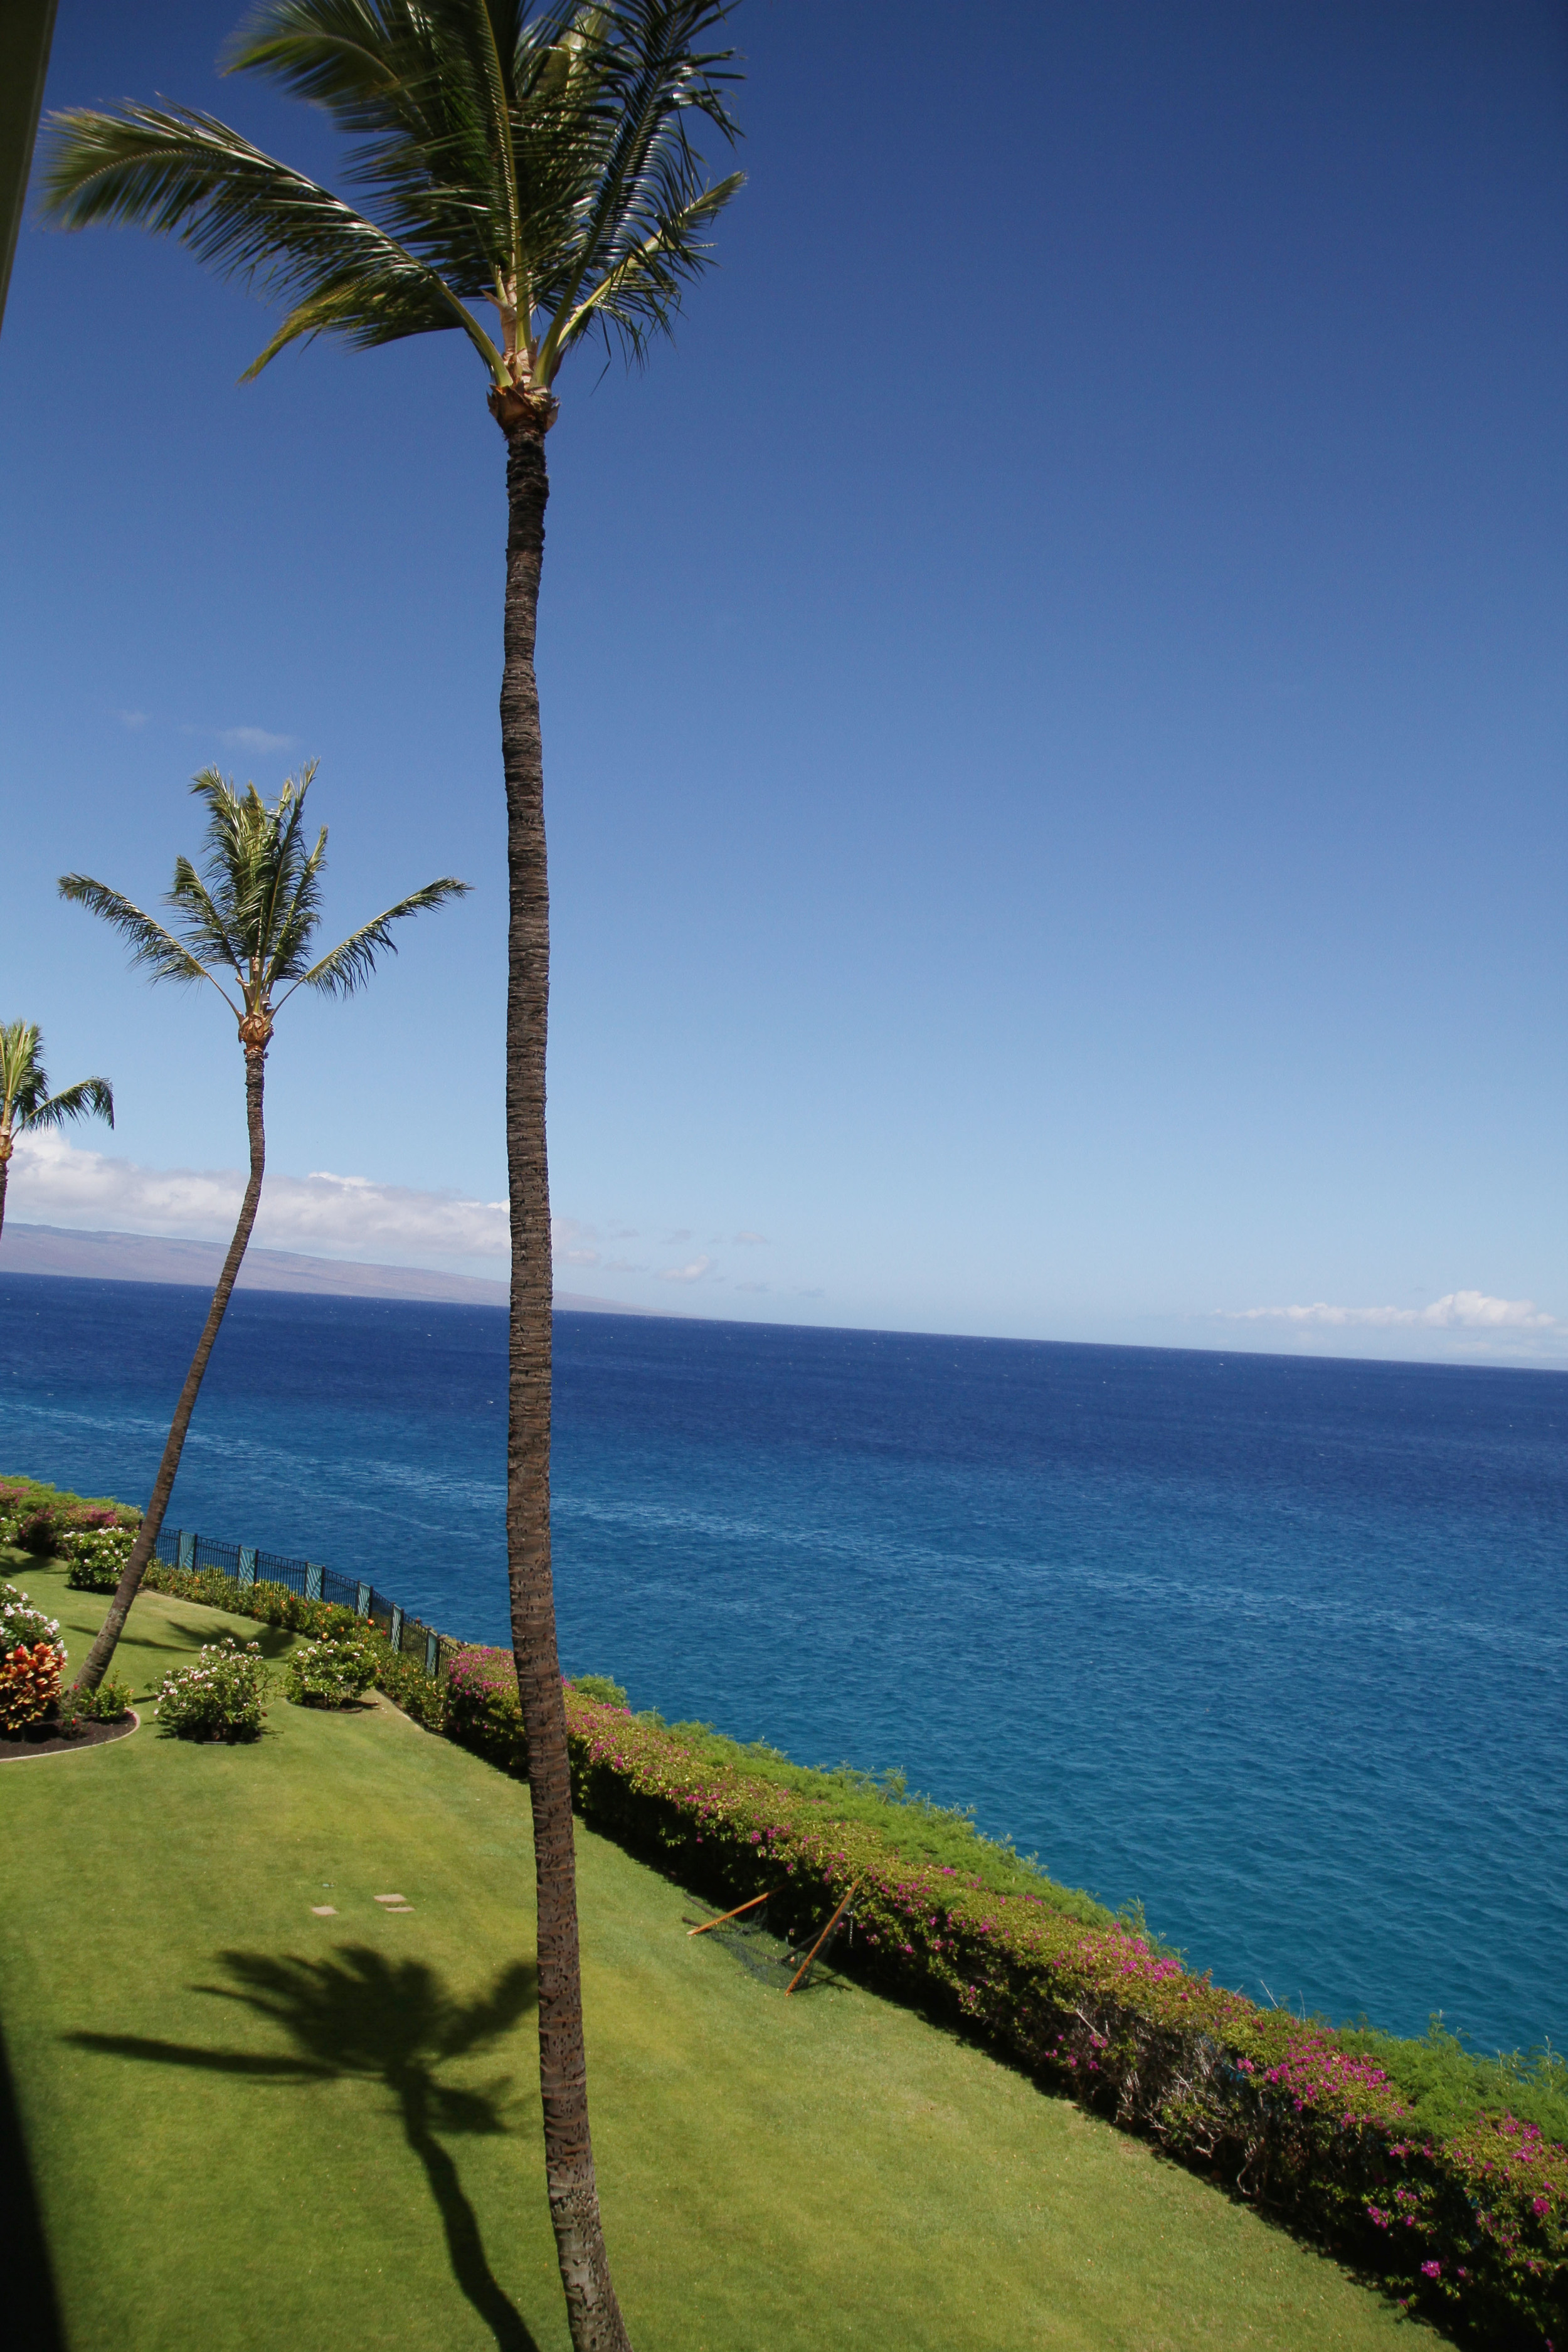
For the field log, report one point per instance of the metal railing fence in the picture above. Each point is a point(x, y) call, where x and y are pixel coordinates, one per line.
point(246, 1564)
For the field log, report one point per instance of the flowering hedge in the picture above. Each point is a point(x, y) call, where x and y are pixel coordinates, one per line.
point(269, 1604)
point(38, 1518)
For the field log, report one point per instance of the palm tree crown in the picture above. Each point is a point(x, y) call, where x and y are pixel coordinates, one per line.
point(25, 1098)
point(24, 1088)
point(253, 915)
point(537, 159)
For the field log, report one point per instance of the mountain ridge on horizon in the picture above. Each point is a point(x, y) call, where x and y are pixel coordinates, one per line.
point(153, 1257)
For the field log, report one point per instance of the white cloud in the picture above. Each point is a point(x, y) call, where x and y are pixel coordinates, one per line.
point(254, 739)
point(323, 1214)
point(692, 1273)
point(132, 718)
point(758, 1240)
point(1457, 1310)
point(54, 1182)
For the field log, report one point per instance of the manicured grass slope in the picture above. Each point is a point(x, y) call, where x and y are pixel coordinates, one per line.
point(776, 2176)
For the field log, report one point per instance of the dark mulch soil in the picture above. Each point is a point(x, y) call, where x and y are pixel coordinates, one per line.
point(92, 1734)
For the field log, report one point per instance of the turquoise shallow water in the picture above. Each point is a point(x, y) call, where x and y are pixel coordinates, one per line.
point(1276, 1645)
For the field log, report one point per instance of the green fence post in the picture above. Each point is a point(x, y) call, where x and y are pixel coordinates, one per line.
point(362, 1604)
point(187, 1555)
point(396, 1635)
point(313, 1580)
point(248, 1563)
point(430, 1655)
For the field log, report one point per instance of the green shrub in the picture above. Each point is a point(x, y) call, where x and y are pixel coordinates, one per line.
point(599, 1687)
point(330, 1673)
point(222, 1696)
point(109, 1703)
point(406, 1684)
point(96, 1557)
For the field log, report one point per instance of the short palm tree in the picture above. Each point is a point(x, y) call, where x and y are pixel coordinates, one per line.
point(25, 1102)
point(251, 915)
point(534, 161)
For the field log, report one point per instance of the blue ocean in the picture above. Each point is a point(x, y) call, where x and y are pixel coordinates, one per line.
point(1277, 1646)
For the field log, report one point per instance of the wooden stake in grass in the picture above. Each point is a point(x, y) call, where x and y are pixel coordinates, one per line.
point(735, 1914)
point(821, 1940)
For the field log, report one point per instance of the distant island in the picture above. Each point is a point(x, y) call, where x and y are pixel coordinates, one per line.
point(148, 1257)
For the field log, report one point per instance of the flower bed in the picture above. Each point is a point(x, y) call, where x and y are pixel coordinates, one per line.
point(33, 1704)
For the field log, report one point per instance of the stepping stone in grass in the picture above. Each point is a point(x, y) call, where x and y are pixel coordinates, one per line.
point(392, 1898)
point(325, 1910)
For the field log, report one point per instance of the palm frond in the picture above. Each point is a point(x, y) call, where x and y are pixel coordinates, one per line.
point(644, 288)
point(22, 1074)
point(90, 1097)
point(294, 927)
point(181, 174)
point(353, 961)
point(152, 947)
point(207, 934)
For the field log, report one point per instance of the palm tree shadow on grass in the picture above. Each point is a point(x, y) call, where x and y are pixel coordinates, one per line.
point(359, 2016)
point(185, 1639)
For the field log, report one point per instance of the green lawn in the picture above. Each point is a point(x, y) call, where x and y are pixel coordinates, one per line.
point(251, 2125)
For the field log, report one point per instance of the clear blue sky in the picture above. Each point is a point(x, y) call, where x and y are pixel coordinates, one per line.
point(1055, 686)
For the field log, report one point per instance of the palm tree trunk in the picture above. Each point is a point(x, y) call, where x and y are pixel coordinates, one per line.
point(129, 1583)
point(592, 2311)
point(5, 1180)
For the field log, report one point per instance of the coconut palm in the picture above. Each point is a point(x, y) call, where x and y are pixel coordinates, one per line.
point(25, 1102)
point(532, 164)
point(250, 915)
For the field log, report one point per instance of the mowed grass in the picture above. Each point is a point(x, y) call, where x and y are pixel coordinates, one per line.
point(252, 2125)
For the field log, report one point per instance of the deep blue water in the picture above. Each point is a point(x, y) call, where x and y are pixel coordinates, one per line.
point(1276, 1645)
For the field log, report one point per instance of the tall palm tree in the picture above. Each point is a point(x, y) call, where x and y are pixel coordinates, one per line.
point(252, 914)
point(25, 1102)
point(536, 159)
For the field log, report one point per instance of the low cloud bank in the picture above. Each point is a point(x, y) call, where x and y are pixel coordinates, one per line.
point(1457, 1310)
point(54, 1182)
